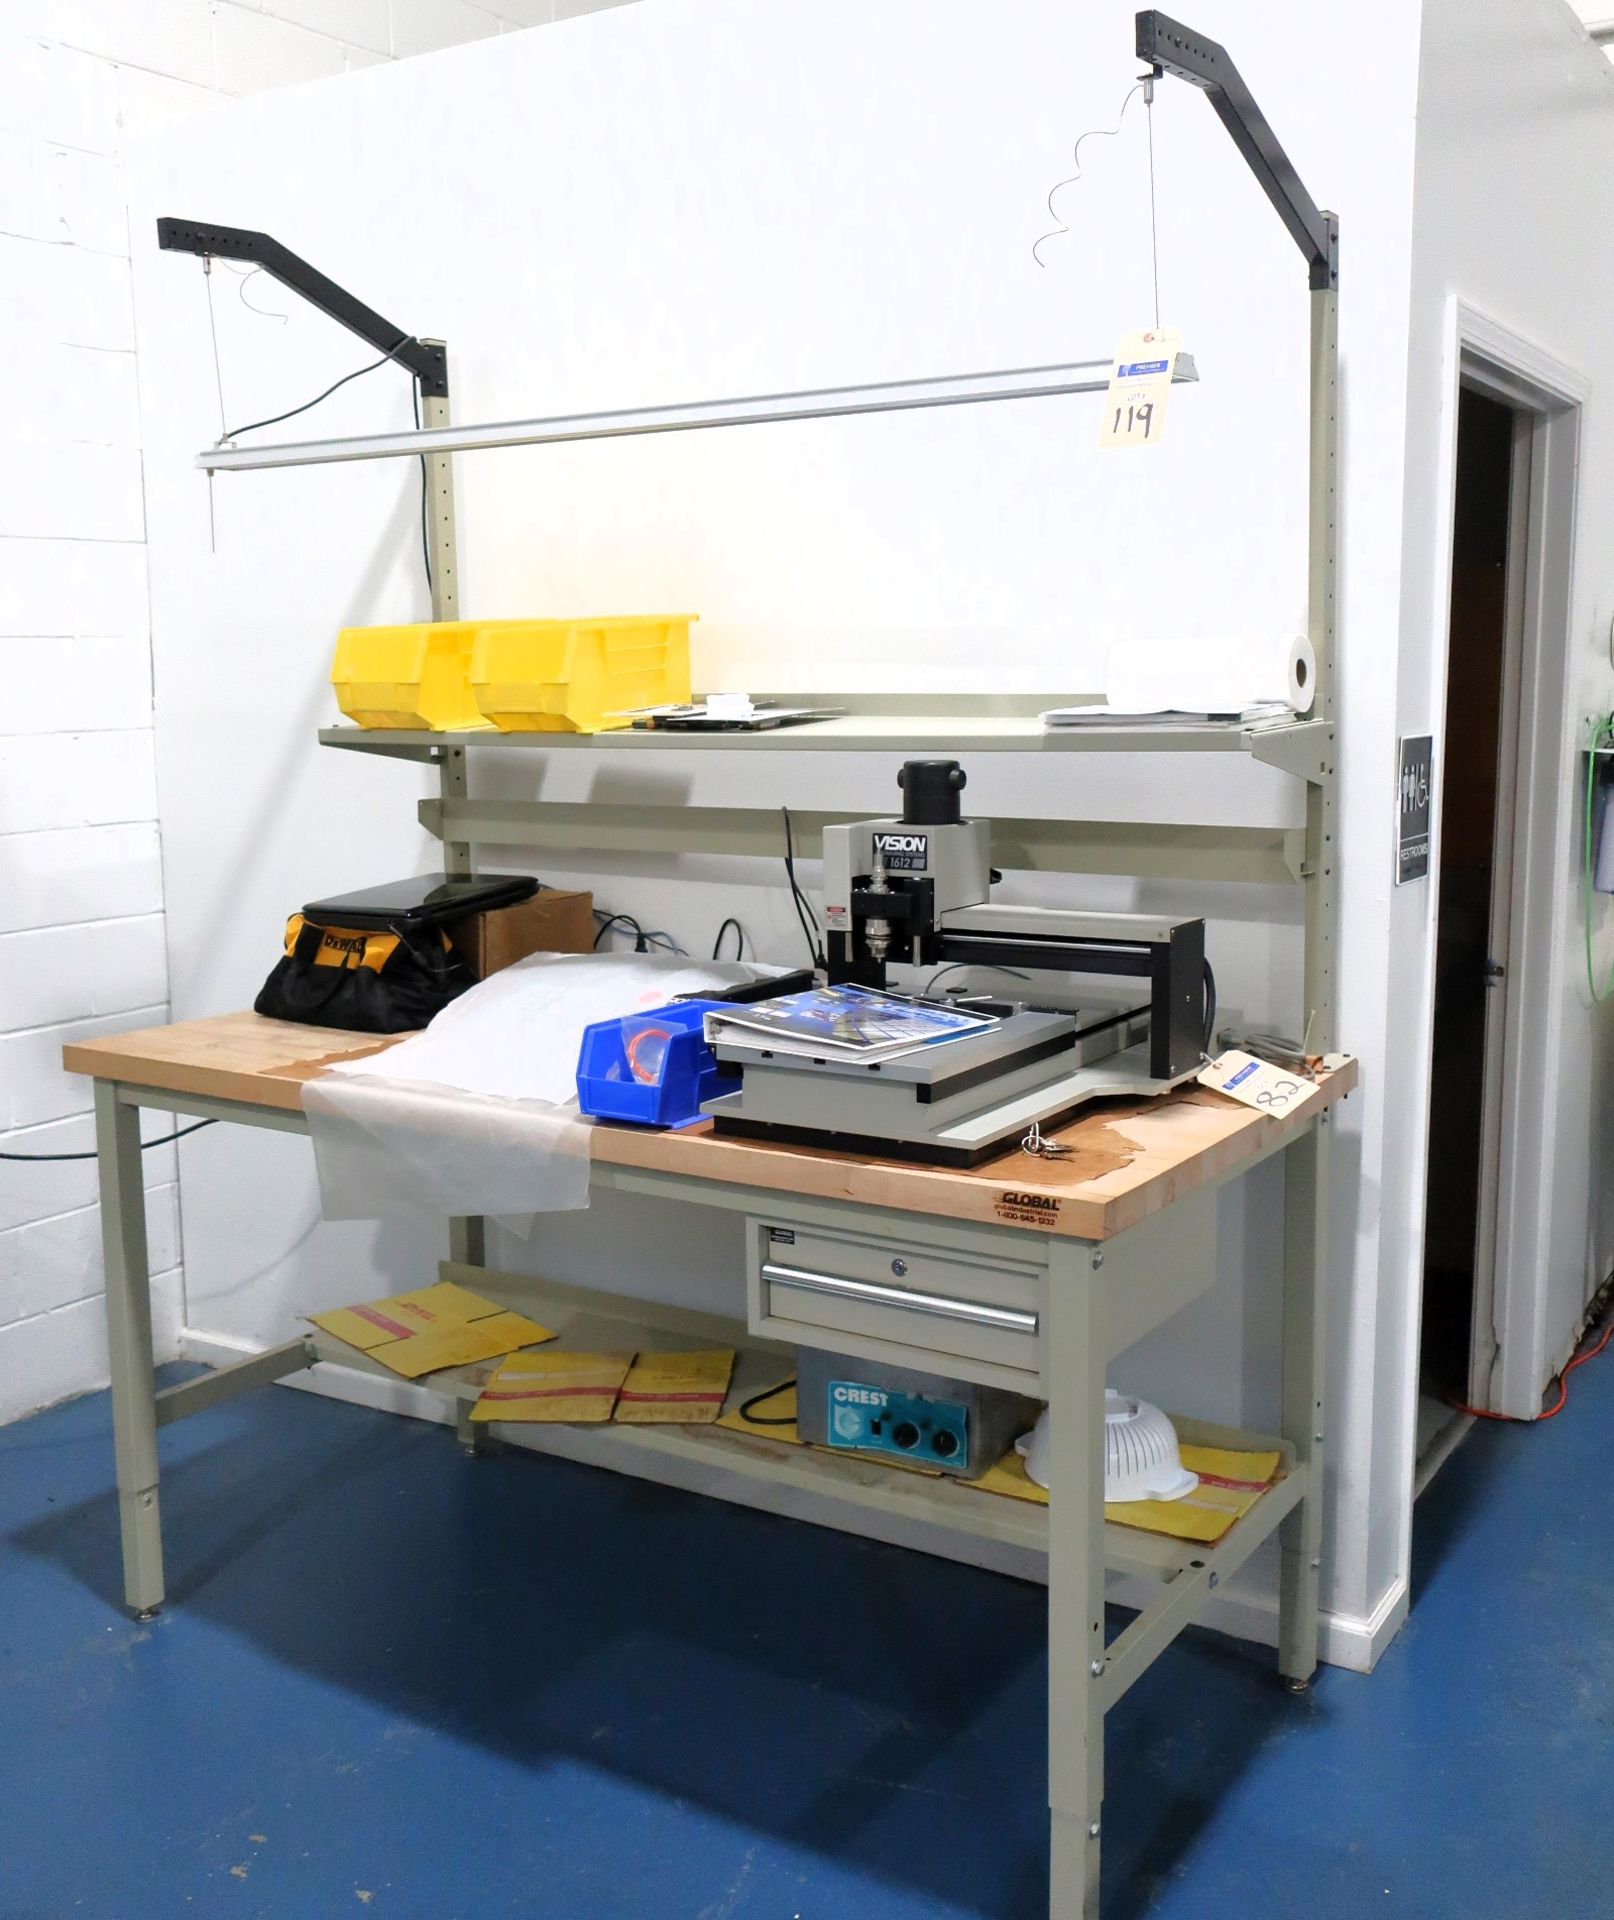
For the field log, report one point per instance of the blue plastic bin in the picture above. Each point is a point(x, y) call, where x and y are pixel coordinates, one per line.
point(653, 1068)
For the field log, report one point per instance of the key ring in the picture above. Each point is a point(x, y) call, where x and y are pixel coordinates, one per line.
point(1042, 1149)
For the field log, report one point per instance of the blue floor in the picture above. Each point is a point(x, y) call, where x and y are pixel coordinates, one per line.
point(397, 1683)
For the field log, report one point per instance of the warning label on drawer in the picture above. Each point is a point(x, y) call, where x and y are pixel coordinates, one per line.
point(1028, 1209)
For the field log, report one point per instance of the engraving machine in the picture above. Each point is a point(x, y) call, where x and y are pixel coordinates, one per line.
point(916, 891)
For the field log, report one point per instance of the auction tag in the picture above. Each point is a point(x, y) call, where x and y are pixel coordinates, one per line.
point(1140, 383)
point(1269, 1089)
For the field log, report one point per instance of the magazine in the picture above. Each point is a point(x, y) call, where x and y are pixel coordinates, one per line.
point(854, 1023)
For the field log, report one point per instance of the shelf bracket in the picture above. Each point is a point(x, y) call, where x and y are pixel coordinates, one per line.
point(1170, 47)
point(427, 360)
point(1305, 751)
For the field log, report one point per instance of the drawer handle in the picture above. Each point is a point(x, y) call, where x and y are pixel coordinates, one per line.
point(971, 1312)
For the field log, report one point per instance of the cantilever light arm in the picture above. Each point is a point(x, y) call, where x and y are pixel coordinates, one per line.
point(1170, 47)
point(821, 403)
point(427, 360)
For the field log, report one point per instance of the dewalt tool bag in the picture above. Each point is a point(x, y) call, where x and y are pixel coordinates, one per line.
point(368, 980)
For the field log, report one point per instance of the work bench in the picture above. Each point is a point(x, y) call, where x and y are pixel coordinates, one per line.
point(1026, 1273)
point(1021, 1273)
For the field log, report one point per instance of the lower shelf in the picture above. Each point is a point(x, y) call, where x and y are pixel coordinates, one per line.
point(852, 1494)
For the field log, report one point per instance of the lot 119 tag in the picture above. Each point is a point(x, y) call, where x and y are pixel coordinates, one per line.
point(1271, 1090)
point(1140, 384)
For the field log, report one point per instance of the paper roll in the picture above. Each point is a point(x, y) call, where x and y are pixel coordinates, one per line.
point(1210, 676)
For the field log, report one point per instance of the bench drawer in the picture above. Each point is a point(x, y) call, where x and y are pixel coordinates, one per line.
point(896, 1300)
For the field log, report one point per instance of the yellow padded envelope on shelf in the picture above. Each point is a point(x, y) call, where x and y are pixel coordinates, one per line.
point(434, 1327)
point(687, 1389)
point(1230, 1483)
point(550, 1386)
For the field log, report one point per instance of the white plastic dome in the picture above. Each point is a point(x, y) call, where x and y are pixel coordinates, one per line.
point(1141, 1461)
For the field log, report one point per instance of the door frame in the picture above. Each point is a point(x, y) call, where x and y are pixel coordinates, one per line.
point(1507, 1356)
point(1501, 999)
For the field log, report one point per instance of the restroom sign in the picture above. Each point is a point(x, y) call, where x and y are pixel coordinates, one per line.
point(1412, 812)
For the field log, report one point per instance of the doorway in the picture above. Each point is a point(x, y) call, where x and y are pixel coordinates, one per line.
point(1479, 754)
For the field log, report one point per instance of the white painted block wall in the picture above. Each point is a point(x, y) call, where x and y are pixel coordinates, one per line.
point(81, 886)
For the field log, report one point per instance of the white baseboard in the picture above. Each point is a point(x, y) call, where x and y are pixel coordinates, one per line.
point(1346, 1640)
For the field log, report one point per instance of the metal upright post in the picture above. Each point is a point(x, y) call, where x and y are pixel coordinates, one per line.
point(1322, 855)
point(1306, 1163)
point(129, 1350)
point(467, 1234)
point(438, 532)
point(1076, 1348)
point(1170, 47)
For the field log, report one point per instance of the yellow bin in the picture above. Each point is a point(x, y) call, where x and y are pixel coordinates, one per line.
point(416, 677)
point(579, 676)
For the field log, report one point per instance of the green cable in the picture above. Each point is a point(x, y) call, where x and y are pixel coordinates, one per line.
point(1602, 732)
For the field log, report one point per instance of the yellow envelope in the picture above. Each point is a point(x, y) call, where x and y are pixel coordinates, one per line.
point(687, 1388)
point(1009, 1477)
point(1230, 1483)
point(553, 1386)
point(434, 1327)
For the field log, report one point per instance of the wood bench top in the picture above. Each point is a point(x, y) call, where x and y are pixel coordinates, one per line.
point(1127, 1160)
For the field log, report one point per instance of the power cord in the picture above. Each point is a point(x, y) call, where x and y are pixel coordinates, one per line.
point(1557, 1407)
point(767, 1420)
point(815, 949)
point(162, 1141)
point(739, 939)
point(644, 938)
point(291, 413)
point(425, 489)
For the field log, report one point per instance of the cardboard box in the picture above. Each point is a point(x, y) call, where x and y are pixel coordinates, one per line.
point(552, 921)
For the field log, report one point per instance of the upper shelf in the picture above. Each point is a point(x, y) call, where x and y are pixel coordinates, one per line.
point(1304, 748)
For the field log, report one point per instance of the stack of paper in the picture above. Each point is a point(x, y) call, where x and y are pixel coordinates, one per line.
point(850, 1023)
point(1103, 716)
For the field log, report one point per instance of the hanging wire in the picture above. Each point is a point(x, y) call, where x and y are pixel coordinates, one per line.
point(218, 382)
point(1154, 218)
point(227, 433)
point(1061, 227)
point(213, 334)
point(243, 275)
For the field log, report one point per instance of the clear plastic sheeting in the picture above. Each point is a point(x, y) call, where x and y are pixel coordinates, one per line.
point(385, 1147)
point(478, 1114)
